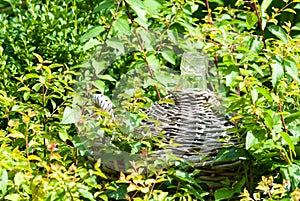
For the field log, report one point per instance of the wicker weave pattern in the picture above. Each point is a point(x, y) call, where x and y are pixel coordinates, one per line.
point(193, 124)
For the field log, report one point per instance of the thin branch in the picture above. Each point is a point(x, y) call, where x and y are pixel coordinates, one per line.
point(260, 26)
point(209, 11)
point(270, 68)
point(106, 36)
point(142, 48)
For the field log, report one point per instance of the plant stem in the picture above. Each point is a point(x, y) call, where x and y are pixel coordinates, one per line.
point(271, 73)
point(209, 11)
point(106, 37)
point(27, 145)
point(142, 48)
point(260, 25)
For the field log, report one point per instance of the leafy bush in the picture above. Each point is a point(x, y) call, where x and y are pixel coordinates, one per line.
point(253, 45)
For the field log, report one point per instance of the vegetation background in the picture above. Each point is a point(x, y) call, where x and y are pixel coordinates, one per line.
point(45, 44)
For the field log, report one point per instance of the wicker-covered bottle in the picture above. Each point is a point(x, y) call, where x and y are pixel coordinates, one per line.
point(193, 127)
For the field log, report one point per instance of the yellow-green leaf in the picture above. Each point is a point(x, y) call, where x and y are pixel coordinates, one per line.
point(34, 158)
point(41, 60)
point(279, 32)
point(16, 134)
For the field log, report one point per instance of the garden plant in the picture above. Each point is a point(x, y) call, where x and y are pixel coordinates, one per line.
point(50, 51)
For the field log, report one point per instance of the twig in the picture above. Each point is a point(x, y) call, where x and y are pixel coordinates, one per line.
point(271, 72)
point(106, 36)
point(142, 48)
point(209, 11)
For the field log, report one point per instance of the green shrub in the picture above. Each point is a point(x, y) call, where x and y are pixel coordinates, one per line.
point(254, 46)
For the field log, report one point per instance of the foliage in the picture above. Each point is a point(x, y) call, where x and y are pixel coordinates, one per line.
point(270, 191)
point(44, 52)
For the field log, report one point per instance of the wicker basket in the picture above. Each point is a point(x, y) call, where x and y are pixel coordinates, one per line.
point(191, 120)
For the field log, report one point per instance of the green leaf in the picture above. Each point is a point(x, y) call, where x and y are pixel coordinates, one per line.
point(71, 115)
point(290, 10)
point(195, 192)
point(13, 197)
point(184, 176)
point(291, 68)
point(230, 155)
point(90, 44)
point(95, 31)
point(37, 87)
point(99, 66)
point(140, 9)
point(169, 56)
point(231, 77)
point(107, 77)
point(19, 178)
point(135, 147)
point(288, 140)
point(24, 89)
point(105, 5)
point(148, 39)
point(16, 134)
point(257, 68)
point(297, 6)
point(254, 95)
point(265, 93)
point(265, 4)
point(31, 75)
point(121, 25)
point(279, 32)
point(152, 6)
point(43, 79)
point(116, 44)
point(251, 20)
point(255, 45)
point(100, 85)
point(34, 158)
point(264, 20)
point(4, 182)
point(18, 108)
point(136, 3)
point(269, 121)
point(63, 136)
point(103, 197)
point(153, 62)
point(277, 70)
point(162, 196)
point(86, 194)
point(223, 194)
point(38, 57)
point(26, 95)
point(292, 117)
point(239, 185)
point(55, 66)
point(251, 140)
point(119, 192)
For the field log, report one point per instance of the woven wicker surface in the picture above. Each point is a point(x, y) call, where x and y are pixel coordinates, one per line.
point(190, 119)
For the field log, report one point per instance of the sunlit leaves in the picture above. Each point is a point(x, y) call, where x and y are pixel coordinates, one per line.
point(169, 56)
point(265, 93)
point(152, 6)
point(71, 115)
point(251, 20)
point(279, 32)
point(277, 71)
point(139, 8)
point(291, 68)
point(265, 4)
point(121, 25)
point(104, 5)
point(93, 32)
point(286, 137)
point(233, 42)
